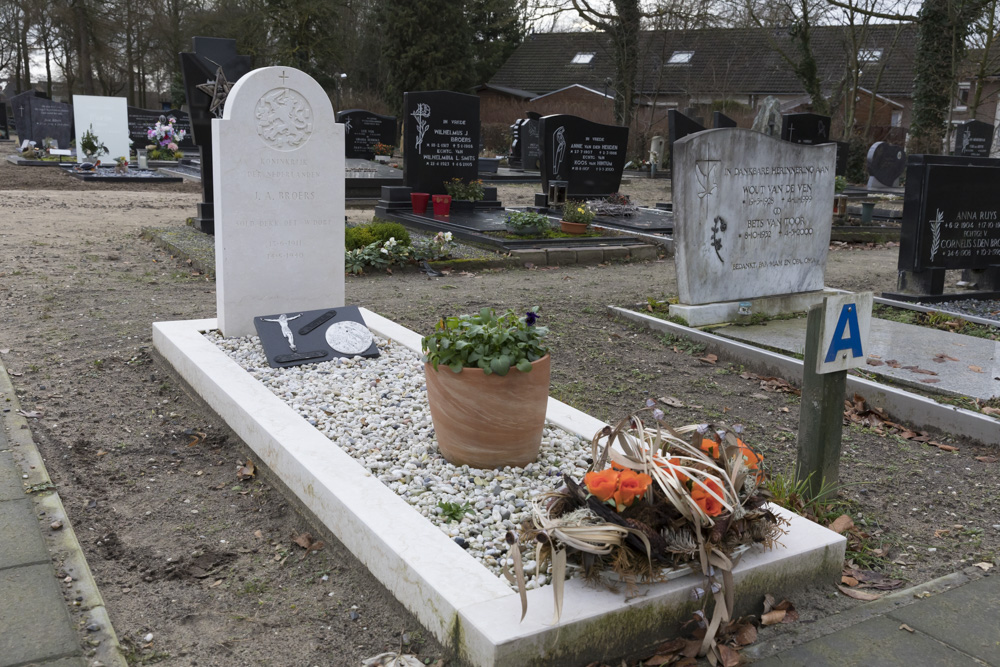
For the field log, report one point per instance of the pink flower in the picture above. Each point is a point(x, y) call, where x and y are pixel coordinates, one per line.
point(172, 146)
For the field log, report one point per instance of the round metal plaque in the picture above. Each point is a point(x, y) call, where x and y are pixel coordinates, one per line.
point(349, 337)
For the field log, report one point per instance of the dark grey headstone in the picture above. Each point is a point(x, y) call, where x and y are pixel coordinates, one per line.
point(974, 139)
point(531, 148)
point(720, 120)
point(805, 128)
point(843, 153)
point(588, 156)
point(36, 118)
point(440, 139)
point(363, 129)
point(318, 335)
point(200, 67)
point(4, 128)
point(886, 163)
point(951, 214)
point(140, 121)
point(679, 126)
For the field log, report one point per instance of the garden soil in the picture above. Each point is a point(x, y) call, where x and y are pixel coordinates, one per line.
point(208, 564)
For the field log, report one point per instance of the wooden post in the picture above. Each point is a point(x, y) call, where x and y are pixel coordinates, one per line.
point(821, 416)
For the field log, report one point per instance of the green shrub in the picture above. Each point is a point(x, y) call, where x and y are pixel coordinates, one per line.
point(358, 237)
point(378, 231)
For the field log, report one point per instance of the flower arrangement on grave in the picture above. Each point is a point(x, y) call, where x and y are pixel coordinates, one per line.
point(617, 204)
point(91, 146)
point(487, 379)
point(382, 149)
point(164, 138)
point(578, 212)
point(655, 501)
point(459, 189)
point(121, 165)
point(526, 222)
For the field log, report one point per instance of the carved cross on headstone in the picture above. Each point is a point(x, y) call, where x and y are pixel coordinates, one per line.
point(283, 76)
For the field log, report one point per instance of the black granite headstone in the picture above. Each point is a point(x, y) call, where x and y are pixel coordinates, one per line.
point(4, 129)
point(140, 121)
point(199, 68)
point(679, 126)
point(514, 153)
point(951, 220)
point(805, 128)
point(37, 118)
point(363, 129)
point(973, 139)
point(589, 157)
point(440, 139)
point(720, 120)
point(311, 336)
point(843, 152)
point(885, 164)
point(531, 148)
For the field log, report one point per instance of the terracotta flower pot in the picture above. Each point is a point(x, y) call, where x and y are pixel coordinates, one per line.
point(489, 421)
point(442, 204)
point(573, 227)
point(418, 200)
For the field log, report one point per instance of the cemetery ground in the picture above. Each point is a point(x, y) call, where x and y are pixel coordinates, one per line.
point(215, 567)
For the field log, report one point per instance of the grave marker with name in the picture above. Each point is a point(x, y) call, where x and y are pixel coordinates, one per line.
point(752, 215)
point(140, 121)
point(37, 118)
point(973, 139)
point(279, 190)
point(589, 157)
point(440, 139)
point(531, 145)
point(805, 128)
point(363, 129)
point(107, 118)
point(886, 164)
point(206, 93)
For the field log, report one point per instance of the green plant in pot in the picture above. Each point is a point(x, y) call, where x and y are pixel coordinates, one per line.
point(91, 146)
point(526, 223)
point(464, 195)
point(576, 218)
point(488, 387)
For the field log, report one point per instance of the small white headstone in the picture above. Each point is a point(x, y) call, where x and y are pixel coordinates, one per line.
point(278, 158)
point(107, 118)
point(752, 215)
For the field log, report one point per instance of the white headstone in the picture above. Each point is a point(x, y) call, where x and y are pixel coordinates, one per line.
point(107, 118)
point(278, 158)
point(752, 215)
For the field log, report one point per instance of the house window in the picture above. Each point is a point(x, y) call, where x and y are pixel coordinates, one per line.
point(963, 96)
point(582, 58)
point(680, 57)
point(869, 55)
point(897, 118)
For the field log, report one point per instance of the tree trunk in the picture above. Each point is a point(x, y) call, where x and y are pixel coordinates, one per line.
point(624, 35)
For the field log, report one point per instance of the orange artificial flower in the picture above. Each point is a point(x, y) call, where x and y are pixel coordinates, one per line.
point(711, 447)
point(706, 500)
point(631, 485)
point(602, 485)
point(751, 457)
point(681, 477)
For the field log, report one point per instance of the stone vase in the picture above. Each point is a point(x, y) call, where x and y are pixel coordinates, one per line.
point(573, 227)
point(489, 421)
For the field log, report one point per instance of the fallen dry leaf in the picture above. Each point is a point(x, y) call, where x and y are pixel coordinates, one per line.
point(931, 381)
point(944, 448)
point(709, 358)
point(30, 414)
point(196, 437)
point(773, 617)
point(728, 657)
point(874, 362)
point(304, 540)
point(848, 581)
point(858, 595)
point(904, 626)
point(672, 402)
point(842, 524)
point(246, 471)
point(975, 369)
point(984, 566)
point(258, 534)
point(986, 459)
point(995, 412)
point(892, 363)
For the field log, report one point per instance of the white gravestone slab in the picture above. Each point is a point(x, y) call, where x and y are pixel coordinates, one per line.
point(107, 118)
point(752, 215)
point(278, 158)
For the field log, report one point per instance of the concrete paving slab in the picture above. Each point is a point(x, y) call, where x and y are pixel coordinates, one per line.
point(17, 519)
point(966, 616)
point(909, 346)
point(876, 642)
point(10, 476)
point(36, 625)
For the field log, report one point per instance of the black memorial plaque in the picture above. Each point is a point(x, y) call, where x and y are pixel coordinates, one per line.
point(973, 139)
point(363, 129)
point(951, 214)
point(531, 147)
point(720, 120)
point(140, 121)
point(311, 336)
point(805, 128)
point(440, 139)
point(886, 163)
point(37, 118)
point(199, 69)
point(588, 156)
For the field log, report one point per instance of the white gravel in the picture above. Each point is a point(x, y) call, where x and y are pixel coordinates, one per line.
point(376, 411)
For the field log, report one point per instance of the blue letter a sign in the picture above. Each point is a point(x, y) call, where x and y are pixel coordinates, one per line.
point(844, 336)
point(848, 320)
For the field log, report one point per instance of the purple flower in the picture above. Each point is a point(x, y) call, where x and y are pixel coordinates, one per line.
point(529, 318)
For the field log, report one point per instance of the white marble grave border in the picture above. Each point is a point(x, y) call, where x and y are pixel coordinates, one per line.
point(460, 601)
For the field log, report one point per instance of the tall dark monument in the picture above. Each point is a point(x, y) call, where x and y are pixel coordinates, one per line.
point(209, 72)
